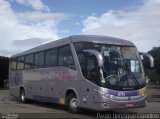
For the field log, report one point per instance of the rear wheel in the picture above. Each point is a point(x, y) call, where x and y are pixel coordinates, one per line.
point(23, 98)
point(72, 103)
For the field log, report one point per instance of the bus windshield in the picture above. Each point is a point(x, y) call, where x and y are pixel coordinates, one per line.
point(122, 69)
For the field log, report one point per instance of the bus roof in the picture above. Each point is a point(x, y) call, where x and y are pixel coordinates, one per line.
point(100, 39)
point(78, 38)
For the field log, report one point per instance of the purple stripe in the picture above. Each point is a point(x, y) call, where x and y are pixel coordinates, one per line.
point(47, 99)
point(126, 93)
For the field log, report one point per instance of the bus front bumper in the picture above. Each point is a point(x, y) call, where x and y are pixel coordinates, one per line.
point(110, 104)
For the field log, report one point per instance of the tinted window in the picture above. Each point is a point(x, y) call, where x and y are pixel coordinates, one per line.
point(21, 58)
point(29, 61)
point(65, 56)
point(39, 59)
point(88, 62)
point(92, 70)
point(20, 63)
point(13, 64)
point(80, 46)
point(51, 57)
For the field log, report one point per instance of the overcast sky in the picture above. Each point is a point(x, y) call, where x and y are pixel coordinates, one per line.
point(28, 23)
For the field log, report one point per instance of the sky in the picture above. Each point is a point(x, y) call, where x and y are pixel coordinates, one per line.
point(25, 24)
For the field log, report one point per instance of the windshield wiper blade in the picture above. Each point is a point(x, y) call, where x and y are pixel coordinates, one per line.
point(129, 71)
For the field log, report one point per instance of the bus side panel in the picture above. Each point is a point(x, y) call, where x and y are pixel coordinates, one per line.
point(15, 82)
point(29, 83)
point(50, 84)
point(34, 82)
point(66, 80)
point(90, 98)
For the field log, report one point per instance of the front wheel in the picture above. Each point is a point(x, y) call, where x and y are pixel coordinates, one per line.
point(72, 103)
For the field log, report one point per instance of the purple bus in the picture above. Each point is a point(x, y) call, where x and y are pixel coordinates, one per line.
point(82, 71)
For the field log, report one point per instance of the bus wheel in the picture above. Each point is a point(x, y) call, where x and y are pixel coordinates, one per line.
point(23, 96)
point(72, 103)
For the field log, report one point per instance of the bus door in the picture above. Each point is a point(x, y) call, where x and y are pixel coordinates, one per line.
point(89, 85)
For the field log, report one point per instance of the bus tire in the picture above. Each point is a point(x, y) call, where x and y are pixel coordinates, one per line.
point(72, 103)
point(23, 98)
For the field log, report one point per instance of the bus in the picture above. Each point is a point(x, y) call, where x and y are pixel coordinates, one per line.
point(81, 71)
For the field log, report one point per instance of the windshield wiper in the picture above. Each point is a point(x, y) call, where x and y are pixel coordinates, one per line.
point(129, 71)
point(103, 79)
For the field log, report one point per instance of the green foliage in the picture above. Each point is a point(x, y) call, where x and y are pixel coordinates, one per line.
point(153, 75)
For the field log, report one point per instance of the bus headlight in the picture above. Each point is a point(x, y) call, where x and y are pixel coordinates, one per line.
point(109, 96)
point(105, 95)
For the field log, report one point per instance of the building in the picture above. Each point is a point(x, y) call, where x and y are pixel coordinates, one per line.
point(4, 66)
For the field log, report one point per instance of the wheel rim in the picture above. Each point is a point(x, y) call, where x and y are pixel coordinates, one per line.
point(74, 103)
point(22, 97)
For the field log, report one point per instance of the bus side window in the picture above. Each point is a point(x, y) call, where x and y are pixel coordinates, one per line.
point(82, 62)
point(51, 57)
point(39, 59)
point(13, 64)
point(29, 61)
point(65, 57)
point(92, 71)
point(20, 63)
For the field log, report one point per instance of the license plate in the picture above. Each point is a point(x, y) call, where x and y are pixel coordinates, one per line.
point(129, 105)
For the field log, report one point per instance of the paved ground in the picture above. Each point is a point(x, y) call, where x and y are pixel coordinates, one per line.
point(10, 107)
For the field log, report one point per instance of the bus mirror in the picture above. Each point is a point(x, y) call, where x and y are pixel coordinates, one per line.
point(151, 59)
point(98, 56)
point(141, 56)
